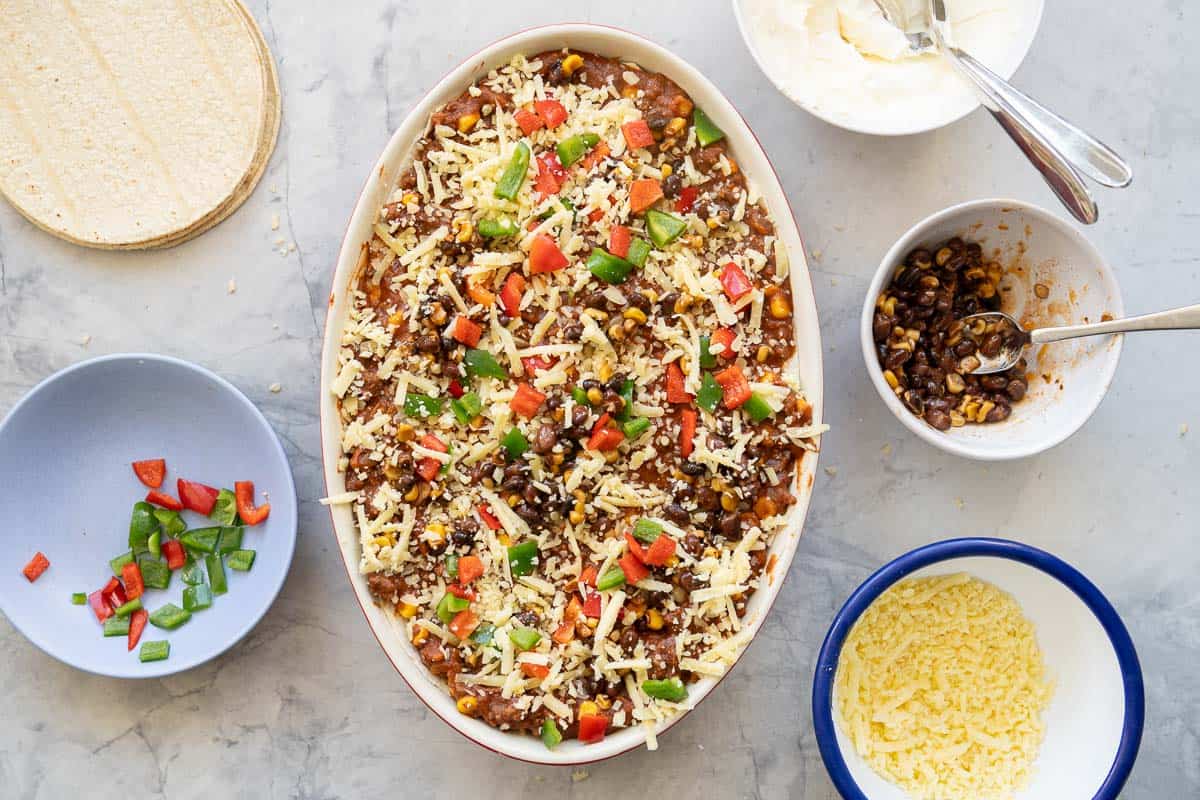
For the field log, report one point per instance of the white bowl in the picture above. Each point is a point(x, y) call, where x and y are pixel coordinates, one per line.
point(1035, 247)
point(1094, 721)
point(1002, 58)
point(612, 42)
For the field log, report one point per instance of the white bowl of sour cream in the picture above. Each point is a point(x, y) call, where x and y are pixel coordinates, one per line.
point(843, 62)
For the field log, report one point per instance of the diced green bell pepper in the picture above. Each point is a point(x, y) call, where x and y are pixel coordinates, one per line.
point(499, 228)
point(449, 606)
point(197, 598)
point(241, 560)
point(575, 147)
point(141, 524)
point(192, 572)
point(116, 626)
point(707, 359)
point(514, 443)
point(224, 511)
point(710, 393)
point(216, 574)
point(639, 251)
point(422, 406)
point(579, 395)
point(647, 531)
point(467, 407)
point(550, 735)
point(524, 638)
point(707, 131)
point(757, 408)
point(521, 557)
point(231, 539)
point(610, 580)
point(608, 267)
point(203, 539)
point(172, 523)
point(667, 689)
point(78, 598)
point(155, 544)
point(155, 574)
point(129, 607)
point(154, 651)
point(663, 228)
point(514, 174)
point(626, 395)
point(169, 617)
point(452, 565)
point(482, 364)
point(635, 427)
point(484, 633)
point(119, 561)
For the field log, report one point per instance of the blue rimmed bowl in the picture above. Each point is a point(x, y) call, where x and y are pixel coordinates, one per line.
point(1094, 721)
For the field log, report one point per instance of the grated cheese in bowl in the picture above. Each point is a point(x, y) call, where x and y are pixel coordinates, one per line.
point(941, 687)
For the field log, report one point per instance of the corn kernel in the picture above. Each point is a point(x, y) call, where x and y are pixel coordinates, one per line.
point(409, 198)
point(666, 170)
point(467, 704)
point(604, 372)
point(602, 701)
point(576, 517)
point(675, 126)
point(411, 495)
point(611, 456)
point(635, 314)
point(405, 433)
point(654, 620)
point(438, 530)
point(712, 223)
point(571, 63)
point(683, 303)
point(466, 122)
point(673, 562)
point(513, 500)
point(616, 331)
point(763, 353)
point(503, 539)
point(588, 709)
point(408, 610)
point(420, 635)
point(396, 319)
point(728, 502)
point(891, 379)
point(465, 230)
point(984, 410)
point(779, 305)
point(595, 396)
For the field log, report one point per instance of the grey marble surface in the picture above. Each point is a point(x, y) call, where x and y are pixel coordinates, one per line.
point(309, 707)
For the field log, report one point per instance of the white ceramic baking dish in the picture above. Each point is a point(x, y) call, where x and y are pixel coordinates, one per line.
point(807, 363)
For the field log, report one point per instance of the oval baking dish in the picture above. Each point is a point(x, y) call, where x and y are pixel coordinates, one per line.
point(806, 363)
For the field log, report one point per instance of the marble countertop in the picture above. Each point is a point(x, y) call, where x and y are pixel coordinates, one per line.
point(308, 707)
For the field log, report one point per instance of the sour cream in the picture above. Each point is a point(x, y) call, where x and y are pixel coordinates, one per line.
point(845, 63)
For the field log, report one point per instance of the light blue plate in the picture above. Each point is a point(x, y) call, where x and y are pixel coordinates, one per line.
point(67, 489)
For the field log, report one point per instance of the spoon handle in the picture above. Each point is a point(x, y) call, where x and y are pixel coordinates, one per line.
point(1042, 145)
point(1184, 318)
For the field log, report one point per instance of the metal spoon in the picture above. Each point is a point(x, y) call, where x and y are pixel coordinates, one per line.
point(1058, 149)
point(1184, 318)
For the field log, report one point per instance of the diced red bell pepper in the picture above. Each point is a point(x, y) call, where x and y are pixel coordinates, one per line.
point(479, 292)
point(644, 193)
point(687, 432)
point(587, 591)
point(135, 587)
point(724, 337)
point(137, 624)
point(534, 670)
point(634, 570)
point(592, 728)
point(467, 331)
point(687, 199)
point(591, 604)
point(618, 241)
point(464, 623)
point(544, 255)
point(595, 156)
point(734, 281)
point(511, 294)
point(196, 496)
point(529, 121)
point(250, 514)
point(661, 551)
point(460, 591)
point(595, 214)
point(635, 547)
point(488, 517)
point(676, 393)
point(605, 435)
point(429, 466)
point(151, 471)
point(637, 134)
point(566, 631)
point(526, 401)
point(456, 389)
point(469, 568)
point(174, 552)
point(552, 112)
point(36, 566)
point(114, 594)
point(100, 606)
point(734, 385)
point(534, 364)
point(550, 175)
point(589, 575)
point(163, 499)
